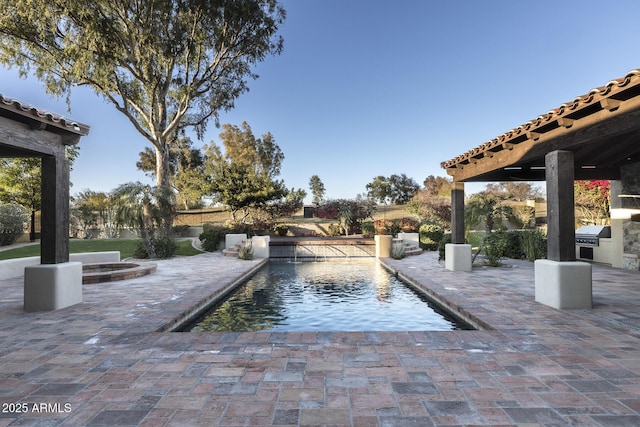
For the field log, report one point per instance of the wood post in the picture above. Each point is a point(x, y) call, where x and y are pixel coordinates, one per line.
point(559, 169)
point(54, 248)
point(457, 213)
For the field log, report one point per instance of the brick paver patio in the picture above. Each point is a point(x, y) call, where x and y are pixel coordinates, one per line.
point(103, 362)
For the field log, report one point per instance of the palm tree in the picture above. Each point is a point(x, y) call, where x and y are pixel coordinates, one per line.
point(141, 207)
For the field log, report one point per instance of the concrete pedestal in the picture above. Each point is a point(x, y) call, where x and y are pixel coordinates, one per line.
point(563, 284)
point(412, 238)
point(232, 240)
point(52, 286)
point(260, 245)
point(383, 245)
point(457, 257)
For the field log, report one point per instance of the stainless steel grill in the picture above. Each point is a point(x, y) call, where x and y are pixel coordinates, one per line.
point(589, 235)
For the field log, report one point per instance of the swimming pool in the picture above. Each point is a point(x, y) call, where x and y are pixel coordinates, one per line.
point(324, 296)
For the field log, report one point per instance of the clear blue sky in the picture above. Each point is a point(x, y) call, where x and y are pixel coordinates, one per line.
point(368, 87)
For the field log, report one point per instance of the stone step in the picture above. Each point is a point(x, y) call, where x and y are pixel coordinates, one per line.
point(409, 248)
point(231, 252)
point(234, 251)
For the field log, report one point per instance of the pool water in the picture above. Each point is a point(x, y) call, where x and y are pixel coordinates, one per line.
point(324, 296)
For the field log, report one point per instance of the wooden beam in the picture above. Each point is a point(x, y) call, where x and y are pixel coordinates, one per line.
point(610, 104)
point(21, 137)
point(533, 135)
point(54, 248)
point(565, 122)
point(457, 213)
point(561, 244)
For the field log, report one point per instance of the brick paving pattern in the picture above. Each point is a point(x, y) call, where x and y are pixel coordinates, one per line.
point(104, 363)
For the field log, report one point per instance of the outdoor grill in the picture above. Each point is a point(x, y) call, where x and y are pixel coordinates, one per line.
point(590, 235)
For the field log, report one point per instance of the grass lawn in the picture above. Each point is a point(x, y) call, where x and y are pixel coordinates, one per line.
point(125, 246)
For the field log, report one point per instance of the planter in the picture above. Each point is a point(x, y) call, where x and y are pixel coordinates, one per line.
point(381, 231)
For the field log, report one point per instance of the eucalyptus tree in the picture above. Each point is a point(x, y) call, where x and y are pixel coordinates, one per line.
point(186, 171)
point(167, 65)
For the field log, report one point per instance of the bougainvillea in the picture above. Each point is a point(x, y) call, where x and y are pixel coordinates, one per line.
point(592, 200)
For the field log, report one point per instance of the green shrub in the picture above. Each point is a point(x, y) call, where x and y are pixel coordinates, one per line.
point(140, 252)
point(334, 230)
point(212, 236)
point(282, 230)
point(513, 245)
point(495, 245)
point(165, 247)
point(534, 244)
point(367, 229)
point(443, 242)
point(12, 222)
point(430, 236)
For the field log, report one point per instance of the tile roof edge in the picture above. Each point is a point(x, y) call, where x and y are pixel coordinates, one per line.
point(556, 113)
point(43, 115)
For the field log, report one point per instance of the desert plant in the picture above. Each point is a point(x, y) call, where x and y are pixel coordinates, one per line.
point(534, 244)
point(246, 250)
point(13, 219)
point(430, 236)
point(398, 250)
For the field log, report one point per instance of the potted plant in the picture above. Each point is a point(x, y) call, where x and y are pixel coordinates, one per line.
point(408, 225)
point(382, 226)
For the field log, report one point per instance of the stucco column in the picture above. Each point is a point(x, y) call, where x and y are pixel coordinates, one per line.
point(54, 247)
point(561, 233)
point(561, 281)
point(457, 213)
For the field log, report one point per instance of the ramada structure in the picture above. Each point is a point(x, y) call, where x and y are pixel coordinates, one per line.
point(26, 131)
point(596, 136)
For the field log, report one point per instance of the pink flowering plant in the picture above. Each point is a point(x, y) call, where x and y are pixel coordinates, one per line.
point(385, 224)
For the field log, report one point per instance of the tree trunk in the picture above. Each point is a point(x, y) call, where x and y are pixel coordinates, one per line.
point(32, 233)
point(163, 172)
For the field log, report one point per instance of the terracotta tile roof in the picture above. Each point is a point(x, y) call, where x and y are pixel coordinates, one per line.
point(25, 111)
point(608, 95)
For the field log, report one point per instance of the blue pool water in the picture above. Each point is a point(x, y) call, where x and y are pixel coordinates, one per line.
point(324, 296)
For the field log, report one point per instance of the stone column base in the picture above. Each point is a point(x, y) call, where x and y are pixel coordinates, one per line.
point(52, 286)
point(232, 240)
point(563, 284)
point(260, 245)
point(383, 245)
point(457, 257)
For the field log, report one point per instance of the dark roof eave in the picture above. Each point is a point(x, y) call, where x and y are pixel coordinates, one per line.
point(45, 120)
